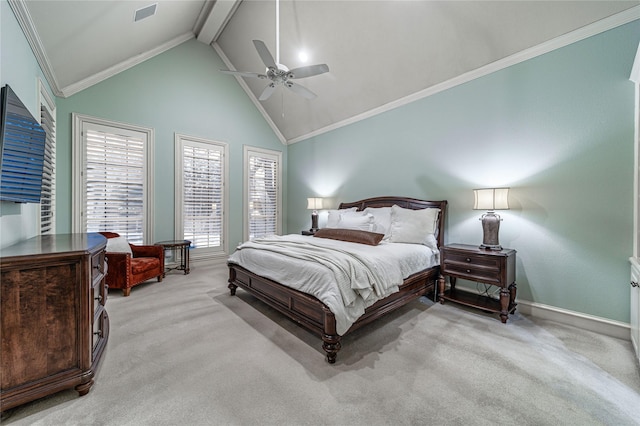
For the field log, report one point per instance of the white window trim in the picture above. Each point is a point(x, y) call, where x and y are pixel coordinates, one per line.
point(44, 99)
point(78, 167)
point(179, 179)
point(247, 151)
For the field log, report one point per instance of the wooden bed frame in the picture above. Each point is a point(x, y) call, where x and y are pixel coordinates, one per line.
point(314, 315)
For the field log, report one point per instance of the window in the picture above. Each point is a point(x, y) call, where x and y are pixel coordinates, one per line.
point(201, 196)
point(48, 195)
point(112, 178)
point(262, 192)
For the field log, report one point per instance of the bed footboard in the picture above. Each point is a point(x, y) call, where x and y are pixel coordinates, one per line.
point(314, 315)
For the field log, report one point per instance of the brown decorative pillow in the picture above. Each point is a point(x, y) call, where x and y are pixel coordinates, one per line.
point(350, 235)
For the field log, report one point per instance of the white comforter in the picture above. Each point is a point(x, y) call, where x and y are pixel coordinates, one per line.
point(347, 277)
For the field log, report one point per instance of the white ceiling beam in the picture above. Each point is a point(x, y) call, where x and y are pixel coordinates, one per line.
point(220, 14)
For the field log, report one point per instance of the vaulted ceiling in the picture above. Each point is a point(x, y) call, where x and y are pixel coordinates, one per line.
point(381, 54)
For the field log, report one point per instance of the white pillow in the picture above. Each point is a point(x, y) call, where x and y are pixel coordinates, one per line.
point(355, 220)
point(118, 245)
point(381, 220)
point(413, 226)
point(334, 216)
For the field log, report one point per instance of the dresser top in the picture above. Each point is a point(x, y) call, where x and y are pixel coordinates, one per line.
point(56, 243)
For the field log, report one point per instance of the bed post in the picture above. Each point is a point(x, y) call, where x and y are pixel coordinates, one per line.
point(330, 338)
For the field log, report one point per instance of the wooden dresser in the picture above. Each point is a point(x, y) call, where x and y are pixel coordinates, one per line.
point(54, 326)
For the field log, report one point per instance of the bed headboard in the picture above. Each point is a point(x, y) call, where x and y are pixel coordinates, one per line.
point(407, 203)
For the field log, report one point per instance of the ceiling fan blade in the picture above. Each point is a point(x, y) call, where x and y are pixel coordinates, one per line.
point(301, 90)
point(264, 53)
point(268, 91)
point(244, 74)
point(308, 71)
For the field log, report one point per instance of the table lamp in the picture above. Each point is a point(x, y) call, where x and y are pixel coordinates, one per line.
point(491, 199)
point(314, 204)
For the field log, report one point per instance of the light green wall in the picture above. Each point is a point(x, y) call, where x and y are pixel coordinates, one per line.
point(558, 129)
point(179, 91)
point(19, 69)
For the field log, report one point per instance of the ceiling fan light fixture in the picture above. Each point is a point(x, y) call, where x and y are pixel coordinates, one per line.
point(278, 73)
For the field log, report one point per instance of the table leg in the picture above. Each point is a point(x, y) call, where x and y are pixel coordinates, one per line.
point(185, 259)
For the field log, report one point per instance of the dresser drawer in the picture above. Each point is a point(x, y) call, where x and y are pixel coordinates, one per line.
point(97, 266)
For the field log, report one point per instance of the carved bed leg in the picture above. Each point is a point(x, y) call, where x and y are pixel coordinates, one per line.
point(232, 277)
point(331, 345)
point(441, 288)
point(232, 288)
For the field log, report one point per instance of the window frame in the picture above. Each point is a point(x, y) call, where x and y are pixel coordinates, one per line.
point(209, 252)
point(46, 102)
point(248, 152)
point(78, 161)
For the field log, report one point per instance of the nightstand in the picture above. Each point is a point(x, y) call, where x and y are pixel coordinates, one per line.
point(308, 232)
point(494, 267)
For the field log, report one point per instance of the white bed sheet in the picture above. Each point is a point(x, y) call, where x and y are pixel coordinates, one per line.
point(393, 261)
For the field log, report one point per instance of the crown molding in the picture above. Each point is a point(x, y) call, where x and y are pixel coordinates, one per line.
point(23, 17)
point(564, 40)
point(72, 89)
point(253, 98)
point(28, 28)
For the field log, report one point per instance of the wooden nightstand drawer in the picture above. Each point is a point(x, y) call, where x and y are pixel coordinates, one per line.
point(472, 259)
point(473, 272)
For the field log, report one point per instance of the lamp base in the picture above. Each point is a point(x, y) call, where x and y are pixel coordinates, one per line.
point(491, 247)
point(314, 222)
point(490, 228)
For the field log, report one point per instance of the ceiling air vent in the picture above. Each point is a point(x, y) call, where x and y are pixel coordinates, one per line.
point(145, 12)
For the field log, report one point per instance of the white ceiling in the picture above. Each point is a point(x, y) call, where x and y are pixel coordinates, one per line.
point(381, 53)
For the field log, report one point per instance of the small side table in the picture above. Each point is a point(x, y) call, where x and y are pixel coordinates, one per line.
point(495, 267)
point(180, 247)
point(308, 233)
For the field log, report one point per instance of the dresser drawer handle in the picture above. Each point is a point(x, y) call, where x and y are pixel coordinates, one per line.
point(468, 259)
point(468, 271)
point(634, 284)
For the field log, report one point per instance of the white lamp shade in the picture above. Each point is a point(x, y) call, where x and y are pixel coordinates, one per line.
point(314, 203)
point(491, 199)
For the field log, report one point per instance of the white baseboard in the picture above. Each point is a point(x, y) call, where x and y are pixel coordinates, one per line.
point(593, 323)
point(607, 327)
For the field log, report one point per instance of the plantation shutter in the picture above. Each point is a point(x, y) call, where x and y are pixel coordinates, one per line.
point(115, 181)
point(48, 194)
point(203, 194)
point(263, 202)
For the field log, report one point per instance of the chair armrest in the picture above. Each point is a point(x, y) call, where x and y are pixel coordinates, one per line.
point(118, 263)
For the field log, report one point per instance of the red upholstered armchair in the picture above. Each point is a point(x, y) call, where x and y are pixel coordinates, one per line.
point(130, 264)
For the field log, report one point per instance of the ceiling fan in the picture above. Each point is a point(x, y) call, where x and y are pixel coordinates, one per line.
point(278, 74)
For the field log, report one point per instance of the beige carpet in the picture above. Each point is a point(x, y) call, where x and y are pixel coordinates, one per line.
point(184, 352)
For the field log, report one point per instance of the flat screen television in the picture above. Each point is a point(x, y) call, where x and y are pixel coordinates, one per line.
point(22, 146)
